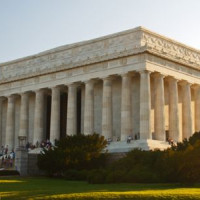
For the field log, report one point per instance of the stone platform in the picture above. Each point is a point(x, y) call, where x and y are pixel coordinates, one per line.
point(123, 146)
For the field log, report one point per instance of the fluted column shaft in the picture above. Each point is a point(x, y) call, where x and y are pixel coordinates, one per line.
point(159, 122)
point(197, 108)
point(107, 108)
point(10, 123)
point(186, 110)
point(23, 128)
point(38, 118)
point(1, 133)
point(71, 110)
point(145, 105)
point(89, 108)
point(174, 131)
point(55, 115)
point(126, 128)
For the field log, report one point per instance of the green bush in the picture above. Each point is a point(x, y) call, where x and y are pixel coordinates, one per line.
point(97, 176)
point(179, 163)
point(116, 176)
point(77, 152)
point(75, 175)
point(9, 172)
point(51, 161)
point(80, 158)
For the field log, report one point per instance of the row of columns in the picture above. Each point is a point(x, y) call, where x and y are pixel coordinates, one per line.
point(126, 124)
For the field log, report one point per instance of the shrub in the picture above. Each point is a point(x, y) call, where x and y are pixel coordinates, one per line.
point(97, 176)
point(75, 175)
point(9, 172)
point(116, 176)
point(51, 161)
point(74, 152)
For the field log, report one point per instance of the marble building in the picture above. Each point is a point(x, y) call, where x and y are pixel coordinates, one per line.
point(133, 83)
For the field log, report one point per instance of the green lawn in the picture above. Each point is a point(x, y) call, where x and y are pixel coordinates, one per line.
point(47, 188)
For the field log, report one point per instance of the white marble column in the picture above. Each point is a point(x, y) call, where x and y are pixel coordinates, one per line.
point(126, 126)
point(10, 123)
point(107, 108)
point(23, 128)
point(55, 115)
point(1, 133)
point(159, 102)
point(89, 108)
point(174, 131)
point(197, 108)
point(186, 110)
point(71, 110)
point(145, 105)
point(38, 135)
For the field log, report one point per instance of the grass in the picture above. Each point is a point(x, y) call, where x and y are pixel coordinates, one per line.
point(47, 188)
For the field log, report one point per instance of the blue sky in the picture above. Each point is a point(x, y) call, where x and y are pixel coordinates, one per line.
point(30, 26)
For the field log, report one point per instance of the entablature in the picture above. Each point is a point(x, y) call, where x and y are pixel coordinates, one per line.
point(107, 48)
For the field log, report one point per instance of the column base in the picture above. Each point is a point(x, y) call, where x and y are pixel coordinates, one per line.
point(123, 146)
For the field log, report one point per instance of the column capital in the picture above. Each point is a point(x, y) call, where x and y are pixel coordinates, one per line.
point(24, 94)
point(11, 98)
point(184, 83)
point(158, 75)
point(124, 74)
point(107, 78)
point(55, 90)
point(41, 90)
point(144, 72)
point(57, 87)
point(2, 99)
point(195, 86)
point(90, 81)
point(74, 84)
point(171, 79)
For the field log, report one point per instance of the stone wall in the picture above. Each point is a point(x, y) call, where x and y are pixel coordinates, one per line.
point(33, 169)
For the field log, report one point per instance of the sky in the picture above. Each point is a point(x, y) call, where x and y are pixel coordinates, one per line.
point(28, 27)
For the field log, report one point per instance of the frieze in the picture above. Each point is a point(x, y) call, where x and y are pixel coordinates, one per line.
point(171, 49)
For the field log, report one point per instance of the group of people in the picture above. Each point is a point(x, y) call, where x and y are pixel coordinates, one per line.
point(128, 140)
point(7, 158)
point(170, 141)
point(44, 144)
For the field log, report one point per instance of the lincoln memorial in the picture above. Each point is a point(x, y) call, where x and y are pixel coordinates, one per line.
point(135, 83)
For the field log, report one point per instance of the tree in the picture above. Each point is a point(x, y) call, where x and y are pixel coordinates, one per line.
point(182, 146)
point(74, 152)
point(189, 166)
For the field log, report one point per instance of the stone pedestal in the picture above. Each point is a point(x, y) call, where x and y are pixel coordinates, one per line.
point(21, 161)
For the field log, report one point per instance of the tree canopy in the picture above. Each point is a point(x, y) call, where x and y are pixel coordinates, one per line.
point(74, 152)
